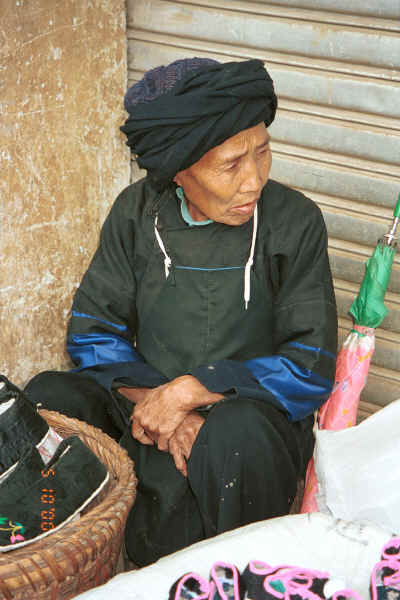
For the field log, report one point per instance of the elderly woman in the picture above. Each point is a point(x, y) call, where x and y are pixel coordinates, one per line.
point(205, 328)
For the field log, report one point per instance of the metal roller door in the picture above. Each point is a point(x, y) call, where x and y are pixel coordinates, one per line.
point(336, 68)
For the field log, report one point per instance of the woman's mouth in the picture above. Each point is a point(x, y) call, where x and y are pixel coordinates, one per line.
point(245, 209)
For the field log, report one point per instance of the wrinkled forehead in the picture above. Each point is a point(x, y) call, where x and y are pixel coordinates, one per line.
point(245, 141)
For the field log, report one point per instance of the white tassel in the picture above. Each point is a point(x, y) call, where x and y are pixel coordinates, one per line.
point(167, 264)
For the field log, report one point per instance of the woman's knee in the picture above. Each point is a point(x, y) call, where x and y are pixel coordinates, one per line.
point(73, 395)
point(50, 386)
point(240, 418)
point(43, 388)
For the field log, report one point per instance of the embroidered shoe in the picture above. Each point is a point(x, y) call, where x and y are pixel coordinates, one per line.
point(225, 582)
point(37, 499)
point(292, 583)
point(385, 576)
point(253, 578)
point(190, 587)
point(21, 427)
point(289, 582)
point(391, 549)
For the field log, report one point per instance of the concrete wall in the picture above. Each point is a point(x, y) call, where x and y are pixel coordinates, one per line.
point(62, 162)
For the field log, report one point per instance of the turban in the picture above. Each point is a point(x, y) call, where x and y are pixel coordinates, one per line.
point(173, 122)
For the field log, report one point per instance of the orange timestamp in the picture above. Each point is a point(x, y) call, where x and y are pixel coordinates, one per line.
point(47, 499)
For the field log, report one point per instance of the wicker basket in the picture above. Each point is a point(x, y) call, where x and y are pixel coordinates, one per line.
point(84, 553)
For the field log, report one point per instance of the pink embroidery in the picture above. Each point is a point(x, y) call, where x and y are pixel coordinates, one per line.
point(200, 590)
point(393, 544)
point(14, 528)
point(386, 572)
point(295, 581)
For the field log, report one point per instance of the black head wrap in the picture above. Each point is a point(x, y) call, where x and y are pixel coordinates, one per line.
point(171, 131)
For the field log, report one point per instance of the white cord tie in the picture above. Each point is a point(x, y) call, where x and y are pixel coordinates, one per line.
point(249, 263)
point(247, 269)
point(167, 260)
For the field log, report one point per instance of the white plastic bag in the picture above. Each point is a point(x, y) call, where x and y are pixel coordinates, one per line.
point(358, 469)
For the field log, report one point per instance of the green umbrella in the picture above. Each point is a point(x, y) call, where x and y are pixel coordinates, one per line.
point(368, 308)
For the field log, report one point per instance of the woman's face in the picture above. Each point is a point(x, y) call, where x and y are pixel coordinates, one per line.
point(226, 183)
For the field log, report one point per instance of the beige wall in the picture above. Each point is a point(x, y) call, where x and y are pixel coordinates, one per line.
point(62, 162)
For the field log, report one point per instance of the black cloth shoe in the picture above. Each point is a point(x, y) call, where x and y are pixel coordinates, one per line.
point(37, 499)
point(21, 426)
point(385, 576)
point(190, 587)
point(226, 582)
point(264, 582)
point(253, 577)
point(7, 389)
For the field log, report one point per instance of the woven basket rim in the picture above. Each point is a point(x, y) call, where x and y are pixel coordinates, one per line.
point(99, 520)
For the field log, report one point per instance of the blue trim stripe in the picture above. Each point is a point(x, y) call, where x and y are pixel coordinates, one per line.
point(204, 269)
point(91, 349)
point(312, 349)
point(85, 316)
point(299, 390)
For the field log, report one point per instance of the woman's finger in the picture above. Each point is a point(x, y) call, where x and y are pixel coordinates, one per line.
point(139, 434)
point(176, 452)
point(186, 442)
point(162, 443)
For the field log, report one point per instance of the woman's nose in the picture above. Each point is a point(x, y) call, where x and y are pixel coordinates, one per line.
point(252, 177)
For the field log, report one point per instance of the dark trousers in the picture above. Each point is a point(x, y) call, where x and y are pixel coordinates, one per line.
point(244, 465)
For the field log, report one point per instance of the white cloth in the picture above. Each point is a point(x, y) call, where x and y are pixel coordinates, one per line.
point(346, 550)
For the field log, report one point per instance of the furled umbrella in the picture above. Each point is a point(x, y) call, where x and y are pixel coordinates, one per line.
point(368, 311)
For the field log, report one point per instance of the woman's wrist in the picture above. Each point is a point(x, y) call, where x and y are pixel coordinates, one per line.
point(198, 395)
point(135, 395)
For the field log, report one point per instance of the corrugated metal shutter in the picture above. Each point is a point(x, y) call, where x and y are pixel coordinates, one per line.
point(336, 67)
